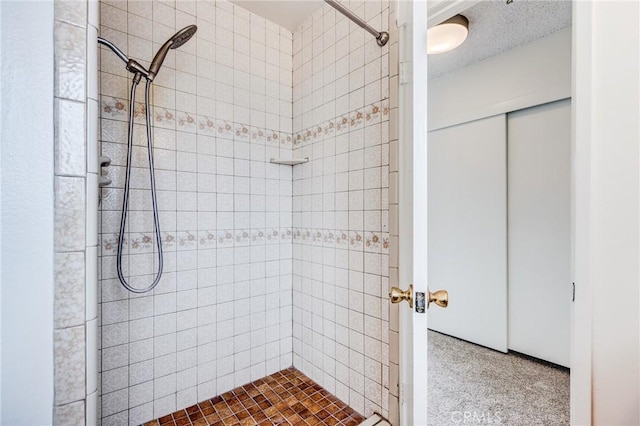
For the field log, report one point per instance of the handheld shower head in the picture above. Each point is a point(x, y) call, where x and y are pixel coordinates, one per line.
point(183, 36)
point(178, 39)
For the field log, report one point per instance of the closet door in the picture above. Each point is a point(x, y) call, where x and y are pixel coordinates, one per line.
point(467, 242)
point(539, 146)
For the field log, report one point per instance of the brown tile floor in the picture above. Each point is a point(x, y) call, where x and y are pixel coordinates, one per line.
point(287, 397)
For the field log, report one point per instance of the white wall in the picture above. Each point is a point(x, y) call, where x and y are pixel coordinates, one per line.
point(503, 83)
point(607, 213)
point(27, 220)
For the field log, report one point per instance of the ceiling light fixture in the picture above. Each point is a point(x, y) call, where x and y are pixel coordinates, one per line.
point(448, 35)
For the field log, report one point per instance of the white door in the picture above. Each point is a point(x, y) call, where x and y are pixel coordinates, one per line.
point(539, 146)
point(467, 218)
point(412, 213)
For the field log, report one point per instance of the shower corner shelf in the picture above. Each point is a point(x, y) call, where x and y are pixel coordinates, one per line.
point(289, 161)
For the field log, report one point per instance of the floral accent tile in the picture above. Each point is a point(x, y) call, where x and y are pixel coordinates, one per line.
point(242, 237)
point(258, 135)
point(286, 140)
point(168, 240)
point(113, 108)
point(329, 238)
point(286, 235)
point(109, 244)
point(356, 241)
point(225, 238)
point(242, 132)
point(186, 240)
point(225, 129)
point(142, 242)
point(273, 236)
point(371, 114)
point(342, 240)
point(273, 138)
point(185, 122)
point(356, 120)
point(164, 118)
point(145, 242)
point(207, 239)
point(372, 242)
point(206, 126)
point(385, 243)
point(342, 124)
point(258, 236)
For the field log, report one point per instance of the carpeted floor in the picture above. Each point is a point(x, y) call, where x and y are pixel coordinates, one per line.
point(470, 384)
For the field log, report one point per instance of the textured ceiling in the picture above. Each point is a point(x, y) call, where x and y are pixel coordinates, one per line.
point(286, 13)
point(495, 27)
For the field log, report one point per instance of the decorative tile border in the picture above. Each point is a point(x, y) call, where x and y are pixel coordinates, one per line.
point(117, 109)
point(372, 242)
point(144, 242)
point(371, 114)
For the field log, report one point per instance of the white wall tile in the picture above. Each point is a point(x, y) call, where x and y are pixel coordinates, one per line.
point(69, 364)
point(341, 188)
point(252, 82)
point(69, 289)
point(70, 138)
point(70, 414)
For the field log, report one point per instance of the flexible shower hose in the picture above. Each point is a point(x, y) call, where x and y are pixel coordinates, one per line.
point(154, 198)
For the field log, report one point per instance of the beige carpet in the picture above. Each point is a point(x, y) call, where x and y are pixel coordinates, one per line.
point(470, 384)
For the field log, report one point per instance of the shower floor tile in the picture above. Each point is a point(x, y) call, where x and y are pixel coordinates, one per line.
point(287, 397)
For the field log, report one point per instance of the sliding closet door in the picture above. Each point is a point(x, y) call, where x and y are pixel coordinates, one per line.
point(467, 243)
point(539, 231)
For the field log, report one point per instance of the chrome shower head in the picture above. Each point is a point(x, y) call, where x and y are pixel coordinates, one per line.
point(183, 36)
point(178, 39)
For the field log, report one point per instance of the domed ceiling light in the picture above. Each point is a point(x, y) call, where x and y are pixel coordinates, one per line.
point(448, 35)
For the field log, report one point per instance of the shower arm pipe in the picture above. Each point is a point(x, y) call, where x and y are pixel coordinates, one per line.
point(132, 65)
point(115, 49)
point(381, 37)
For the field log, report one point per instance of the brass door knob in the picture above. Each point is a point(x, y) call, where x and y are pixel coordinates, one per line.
point(398, 295)
point(440, 297)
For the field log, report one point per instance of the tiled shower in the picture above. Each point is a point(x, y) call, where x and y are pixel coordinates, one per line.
point(221, 107)
point(340, 206)
point(266, 266)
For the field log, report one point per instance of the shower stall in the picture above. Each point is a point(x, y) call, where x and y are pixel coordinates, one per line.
point(262, 242)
